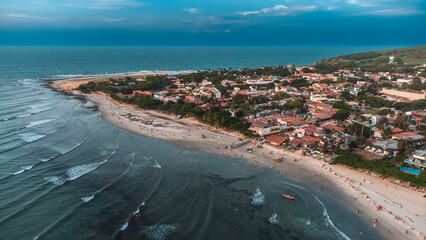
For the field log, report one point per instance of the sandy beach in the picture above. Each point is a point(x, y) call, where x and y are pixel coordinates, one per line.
point(403, 208)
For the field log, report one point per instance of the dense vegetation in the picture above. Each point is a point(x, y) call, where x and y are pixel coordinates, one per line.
point(386, 167)
point(215, 115)
point(376, 61)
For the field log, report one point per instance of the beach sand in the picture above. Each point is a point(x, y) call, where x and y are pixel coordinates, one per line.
point(404, 208)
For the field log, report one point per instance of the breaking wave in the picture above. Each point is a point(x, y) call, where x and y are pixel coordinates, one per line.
point(87, 198)
point(31, 137)
point(25, 115)
point(324, 213)
point(156, 165)
point(159, 231)
point(328, 220)
point(273, 219)
point(124, 227)
point(68, 148)
point(32, 124)
point(258, 199)
point(23, 170)
point(74, 173)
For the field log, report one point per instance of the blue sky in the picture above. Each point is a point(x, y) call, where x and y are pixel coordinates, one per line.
point(214, 22)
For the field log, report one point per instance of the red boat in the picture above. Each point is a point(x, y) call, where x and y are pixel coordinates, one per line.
point(287, 196)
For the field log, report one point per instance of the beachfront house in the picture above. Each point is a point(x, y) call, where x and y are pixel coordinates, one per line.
point(412, 139)
point(263, 128)
point(276, 140)
point(417, 160)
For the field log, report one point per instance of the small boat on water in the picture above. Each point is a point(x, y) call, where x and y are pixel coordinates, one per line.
point(287, 196)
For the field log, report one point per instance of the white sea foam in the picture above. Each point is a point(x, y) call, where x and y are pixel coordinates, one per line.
point(87, 198)
point(39, 105)
point(258, 199)
point(35, 123)
point(57, 180)
point(159, 231)
point(25, 115)
point(39, 109)
point(124, 227)
point(66, 148)
point(31, 137)
point(78, 171)
point(48, 159)
point(74, 173)
point(156, 165)
point(19, 172)
point(104, 153)
point(328, 220)
point(325, 213)
point(136, 212)
point(273, 219)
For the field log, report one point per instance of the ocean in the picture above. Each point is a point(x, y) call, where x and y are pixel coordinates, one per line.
point(65, 173)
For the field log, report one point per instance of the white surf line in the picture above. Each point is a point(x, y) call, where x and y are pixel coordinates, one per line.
point(117, 179)
point(325, 213)
point(46, 230)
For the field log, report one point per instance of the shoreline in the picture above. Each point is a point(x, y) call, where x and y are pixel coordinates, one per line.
point(347, 182)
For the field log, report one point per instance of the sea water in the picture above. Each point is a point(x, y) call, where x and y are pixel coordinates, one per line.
point(65, 173)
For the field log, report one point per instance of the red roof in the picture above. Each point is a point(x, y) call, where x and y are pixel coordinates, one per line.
point(318, 104)
point(405, 134)
point(397, 130)
point(276, 139)
point(310, 139)
point(333, 127)
point(296, 141)
point(143, 92)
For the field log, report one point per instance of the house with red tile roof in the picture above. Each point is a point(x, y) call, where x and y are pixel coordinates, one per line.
point(276, 139)
point(333, 127)
point(310, 141)
point(295, 142)
point(319, 105)
point(142, 92)
point(397, 130)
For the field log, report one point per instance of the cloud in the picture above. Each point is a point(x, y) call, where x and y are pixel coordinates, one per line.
point(280, 10)
point(114, 19)
point(24, 16)
point(192, 10)
point(213, 20)
point(248, 13)
point(361, 3)
point(111, 4)
point(391, 12)
point(331, 8)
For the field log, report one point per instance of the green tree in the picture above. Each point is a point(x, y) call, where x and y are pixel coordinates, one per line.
point(341, 115)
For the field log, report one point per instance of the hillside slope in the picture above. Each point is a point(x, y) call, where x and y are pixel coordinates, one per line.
point(403, 57)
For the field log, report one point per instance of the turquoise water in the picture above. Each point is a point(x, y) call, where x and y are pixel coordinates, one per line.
point(410, 170)
point(67, 174)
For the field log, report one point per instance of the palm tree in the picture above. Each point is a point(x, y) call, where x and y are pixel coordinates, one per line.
point(387, 132)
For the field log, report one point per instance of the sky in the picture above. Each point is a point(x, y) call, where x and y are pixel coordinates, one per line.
point(213, 22)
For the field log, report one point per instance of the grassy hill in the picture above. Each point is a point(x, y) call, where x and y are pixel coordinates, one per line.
point(378, 59)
